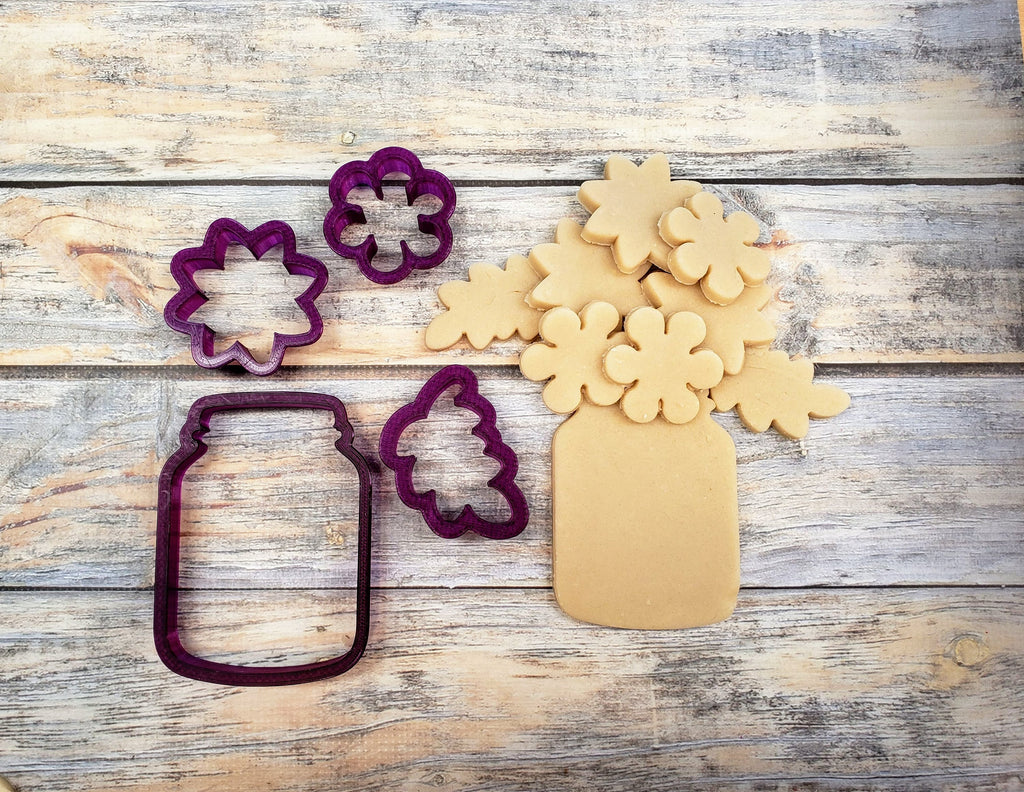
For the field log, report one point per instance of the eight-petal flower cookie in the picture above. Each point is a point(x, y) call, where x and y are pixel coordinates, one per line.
point(731, 328)
point(576, 272)
point(571, 356)
point(715, 250)
point(491, 305)
point(627, 205)
point(772, 390)
point(663, 367)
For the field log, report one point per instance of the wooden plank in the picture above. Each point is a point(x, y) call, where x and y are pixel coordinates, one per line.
point(862, 274)
point(192, 89)
point(921, 481)
point(497, 689)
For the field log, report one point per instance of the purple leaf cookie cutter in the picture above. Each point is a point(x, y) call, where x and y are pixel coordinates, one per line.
point(168, 541)
point(486, 429)
point(219, 236)
point(371, 173)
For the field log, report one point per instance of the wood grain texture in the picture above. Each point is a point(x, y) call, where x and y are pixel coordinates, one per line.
point(878, 642)
point(172, 89)
point(920, 481)
point(861, 274)
point(484, 689)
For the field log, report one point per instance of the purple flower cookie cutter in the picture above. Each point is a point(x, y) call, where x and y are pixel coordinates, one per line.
point(168, 541)
point(219, 236)
point(372, 173)
point(486, 429)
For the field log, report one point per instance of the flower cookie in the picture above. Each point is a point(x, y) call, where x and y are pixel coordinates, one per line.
point(663, 368)
point(490, 305)
point(772, 390)
point(576, 272)
point(717, 251)
point(571, 356)
point(626, 206)
point(731, 328)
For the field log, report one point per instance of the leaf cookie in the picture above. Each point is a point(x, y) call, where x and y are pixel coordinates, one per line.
point(571, 356)
point(773, 390)
point(626, 206)
point(715, 250)
point(730, 328)
point(491, 305)
point(575, 272)
point(663, 366)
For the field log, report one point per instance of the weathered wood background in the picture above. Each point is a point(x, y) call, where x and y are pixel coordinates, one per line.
point(879, 638)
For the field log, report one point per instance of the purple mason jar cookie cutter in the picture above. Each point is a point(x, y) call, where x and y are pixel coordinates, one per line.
point(219, 236)
point(371, 173)
point(470, 398)
point(168, 539)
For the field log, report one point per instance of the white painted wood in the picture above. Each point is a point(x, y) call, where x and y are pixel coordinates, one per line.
point(921, 481)
point(288, 90)
point(497, 689)
point(880, 274)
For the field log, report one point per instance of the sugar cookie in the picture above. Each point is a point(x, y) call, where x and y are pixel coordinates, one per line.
point(575, 272)
point(714, 250)
point(730, 328)
point(571, 356)
point(627, 205)
point(772, 390)
point(490, 305)
point(644, 520)
point(663, 366)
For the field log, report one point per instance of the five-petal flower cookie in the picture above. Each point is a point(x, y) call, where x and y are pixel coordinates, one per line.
point(772, 390)
point(663, 366)
point(571, 356)
point(491, 305)
point(731, 328)
point(627, 205)
point(715, 250)
point(576, 272)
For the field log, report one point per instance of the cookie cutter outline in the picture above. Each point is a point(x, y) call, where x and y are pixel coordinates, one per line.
point(168, 543)
point(371, 173)
point(469, 397)
point(210, 255)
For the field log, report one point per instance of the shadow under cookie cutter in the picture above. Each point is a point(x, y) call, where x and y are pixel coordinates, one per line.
point(371, 173)
point(210, 255)
point(168, 542)
point(470, 398)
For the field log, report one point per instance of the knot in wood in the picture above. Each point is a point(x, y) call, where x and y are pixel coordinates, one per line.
point(969, 650)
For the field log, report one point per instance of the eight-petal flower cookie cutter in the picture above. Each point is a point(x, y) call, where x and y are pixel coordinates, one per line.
point(371, 173)
point(486, 429)
point(166, 633)
point(220, 235)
